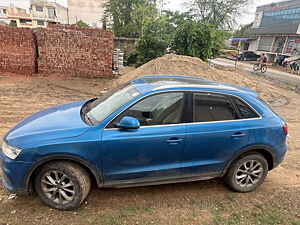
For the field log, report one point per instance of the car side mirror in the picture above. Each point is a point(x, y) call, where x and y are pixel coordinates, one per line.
point(128, 122)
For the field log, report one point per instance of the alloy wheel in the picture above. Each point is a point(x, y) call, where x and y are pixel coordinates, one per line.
point(249, 173)
point(58, 187)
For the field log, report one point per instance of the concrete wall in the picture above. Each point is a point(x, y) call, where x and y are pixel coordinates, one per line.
point(89, 11)
point(125, 44)
point(253, 45)
point(17, 50)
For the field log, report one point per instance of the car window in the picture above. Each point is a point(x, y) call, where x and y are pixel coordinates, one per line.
point(102, 107)
point(157, 109)
point(244, 109)
point(212, 107)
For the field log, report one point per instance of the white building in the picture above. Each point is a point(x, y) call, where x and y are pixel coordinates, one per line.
point(3, 15)
point(89, 11)
point(45, 12)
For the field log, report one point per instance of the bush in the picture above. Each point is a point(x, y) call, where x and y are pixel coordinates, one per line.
point(197, 39)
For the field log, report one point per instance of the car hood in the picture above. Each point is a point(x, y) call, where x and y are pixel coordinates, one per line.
point(62, 121)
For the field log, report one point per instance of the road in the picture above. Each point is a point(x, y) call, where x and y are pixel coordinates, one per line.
point(286, 77)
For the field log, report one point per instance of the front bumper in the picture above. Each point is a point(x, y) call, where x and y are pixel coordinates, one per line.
point(13, 173)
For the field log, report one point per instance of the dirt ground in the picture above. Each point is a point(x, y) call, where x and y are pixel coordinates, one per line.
point(277, 201)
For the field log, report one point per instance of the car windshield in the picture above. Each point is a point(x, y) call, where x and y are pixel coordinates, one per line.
point(98, 109)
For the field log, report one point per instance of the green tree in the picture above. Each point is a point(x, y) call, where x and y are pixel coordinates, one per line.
point(140, 16)
point(197, 39)
point(154, 43)
point(122, 16)
point(80, 23)
point(244, 32)
point(220, 13)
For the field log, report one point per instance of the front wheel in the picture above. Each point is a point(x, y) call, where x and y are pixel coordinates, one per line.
point(263, 68)
point(247, 173)
point(62, 185)
point(256, 67)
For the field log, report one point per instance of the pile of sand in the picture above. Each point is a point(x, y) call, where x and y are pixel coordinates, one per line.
point(172, 64)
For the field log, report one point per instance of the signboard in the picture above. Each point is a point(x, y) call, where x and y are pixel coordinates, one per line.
point(257, 19)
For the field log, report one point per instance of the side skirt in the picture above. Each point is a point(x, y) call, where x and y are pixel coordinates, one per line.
point(169, 181)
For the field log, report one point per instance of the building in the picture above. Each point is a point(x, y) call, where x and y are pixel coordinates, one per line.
point(3, 15)
point(277, 26)
point(44, 12)
point(244, 43)
point(89, 11)
point(18, 17)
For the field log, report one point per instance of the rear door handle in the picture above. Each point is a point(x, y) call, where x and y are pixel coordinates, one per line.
point(174, 141)
point(238, 135)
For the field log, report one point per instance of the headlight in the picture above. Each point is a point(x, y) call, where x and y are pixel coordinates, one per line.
point(10, 151)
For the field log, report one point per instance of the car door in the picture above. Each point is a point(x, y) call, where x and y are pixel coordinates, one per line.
point(215, 134)
point(252, 56)
point(150, 153)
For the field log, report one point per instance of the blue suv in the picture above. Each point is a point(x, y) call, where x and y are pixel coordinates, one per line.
point(152, 130)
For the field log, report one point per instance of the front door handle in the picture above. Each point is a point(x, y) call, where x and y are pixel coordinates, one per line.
point(238, 135)
point(174, 140)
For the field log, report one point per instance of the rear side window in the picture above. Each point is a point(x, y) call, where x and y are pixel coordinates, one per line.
point(244, 109)
point(212, 107)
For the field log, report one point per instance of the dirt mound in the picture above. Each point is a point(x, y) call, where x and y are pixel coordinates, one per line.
point(172, 64)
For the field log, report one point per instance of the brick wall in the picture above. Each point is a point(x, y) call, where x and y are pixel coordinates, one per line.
point(75, 51)
point(17, 50)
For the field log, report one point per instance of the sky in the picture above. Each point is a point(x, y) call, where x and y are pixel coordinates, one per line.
point(174, 5)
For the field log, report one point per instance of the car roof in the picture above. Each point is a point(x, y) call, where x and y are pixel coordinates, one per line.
point(152, 83)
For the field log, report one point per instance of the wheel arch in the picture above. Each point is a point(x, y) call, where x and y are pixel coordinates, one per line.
point(266, 151)
point(91, 169)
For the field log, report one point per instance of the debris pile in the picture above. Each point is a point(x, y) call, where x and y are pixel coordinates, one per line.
point(172, 64)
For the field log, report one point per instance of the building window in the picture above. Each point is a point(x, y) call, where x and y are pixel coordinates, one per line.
point(51, 13)
point(25, 21)
point(282, 17)
point(39, 8)
point(13, 23)
point(40, 23)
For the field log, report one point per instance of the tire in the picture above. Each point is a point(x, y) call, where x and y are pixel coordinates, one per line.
point(62, 185)
point(256, 67)
point(263, 68)
point(245, 59)
point(237, 174)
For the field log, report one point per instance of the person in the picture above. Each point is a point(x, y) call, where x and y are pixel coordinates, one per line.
point(263, 59)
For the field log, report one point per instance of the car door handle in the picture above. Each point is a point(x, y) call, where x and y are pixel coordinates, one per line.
point(238, 135)
point(174, 141)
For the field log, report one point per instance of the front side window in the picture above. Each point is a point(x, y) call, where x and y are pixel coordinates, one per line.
point(212, 107)
point(157, 109)
point(97, 110)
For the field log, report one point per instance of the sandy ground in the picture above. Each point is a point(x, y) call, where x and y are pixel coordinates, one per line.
point(277, 201)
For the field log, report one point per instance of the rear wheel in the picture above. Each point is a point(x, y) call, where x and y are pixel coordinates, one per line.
point(247, 173)
point(256, 67)
point(62, 185)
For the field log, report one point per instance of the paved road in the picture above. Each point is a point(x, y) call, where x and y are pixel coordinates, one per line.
point(271, 73)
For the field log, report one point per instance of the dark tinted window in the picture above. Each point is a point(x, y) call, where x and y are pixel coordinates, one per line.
point(156, 110)
point(212, 107)
point(39, 8)
point(244, 109)
point(40, 22)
